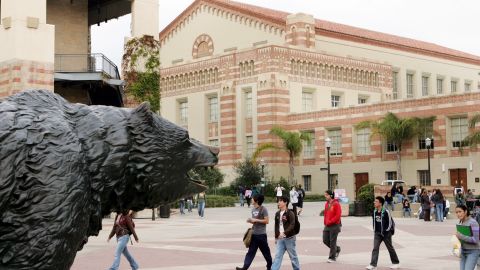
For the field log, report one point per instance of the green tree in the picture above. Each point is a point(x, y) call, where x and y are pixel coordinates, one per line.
point(292, 143)
point(212, 177)
point(394, 130)
point(473, 137)
point(249, 173)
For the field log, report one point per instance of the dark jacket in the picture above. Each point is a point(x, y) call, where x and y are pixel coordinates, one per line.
point(124, 227)
point(288, 220)
point(386, 221)
point(437, 199)
point(425, 202)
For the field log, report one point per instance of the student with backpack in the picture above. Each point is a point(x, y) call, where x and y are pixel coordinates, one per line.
point(123, 228)
point(384, 228)
point(333, 224)
point(286, 227)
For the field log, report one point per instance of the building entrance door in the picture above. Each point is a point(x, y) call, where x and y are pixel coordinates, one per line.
point(458, 177)
point(360, 180)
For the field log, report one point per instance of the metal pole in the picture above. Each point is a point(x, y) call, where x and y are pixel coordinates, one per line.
point(429, 172)
point(328, 169)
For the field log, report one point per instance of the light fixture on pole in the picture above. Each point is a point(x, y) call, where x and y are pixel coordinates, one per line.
point(328, 144)
point(262, 163)
point(428, 144)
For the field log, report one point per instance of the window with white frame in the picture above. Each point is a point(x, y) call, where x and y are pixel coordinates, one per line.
point(336, 145)
point(309, 146)
point(250, 147)
point(439, 86)
point(335, 101)
point(391, 175)
point(248, 104)
point(467, 87)
point(410, 85)
point(425, 86)
point(213, 142)
point(395, 84)
point(183, 112)
point(459, 130)
point(213, 107)
point(423, 178)
point(307, 182)
point(453, 86)
point(362, 99)
point(392, 147)
point(363, 141)
point(307, 101)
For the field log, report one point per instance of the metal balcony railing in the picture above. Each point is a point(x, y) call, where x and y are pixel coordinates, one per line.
point(88, 63)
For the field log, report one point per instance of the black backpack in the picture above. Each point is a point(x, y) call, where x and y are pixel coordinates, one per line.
point(296, 227)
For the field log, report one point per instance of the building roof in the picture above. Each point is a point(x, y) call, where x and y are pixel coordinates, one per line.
point(337, 30)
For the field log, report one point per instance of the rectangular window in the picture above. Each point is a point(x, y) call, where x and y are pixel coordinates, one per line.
point(213, 142)
point(248, 104)
point(335, 101)
point(307, 182)
point(307, 101)
point(363, 141)
point(427, 133)
point(423, 178)
point(183, 112)
point(395, 84)
point(250, 147)
point(467, 87)
point(453, 86)
point(459, 127)
point(424, 86)
point(391, 147)
point(336, 145)
point(410, 85)
point(362, 100)
point(213, 107)
point(439, 86)
point(391, 175)
point(309, 147)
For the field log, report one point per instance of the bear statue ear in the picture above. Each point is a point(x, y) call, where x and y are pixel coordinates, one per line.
point(143, 111)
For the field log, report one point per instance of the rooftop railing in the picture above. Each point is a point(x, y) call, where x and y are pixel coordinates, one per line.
point(88, 63)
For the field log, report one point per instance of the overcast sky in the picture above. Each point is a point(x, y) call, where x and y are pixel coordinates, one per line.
point(450, 23)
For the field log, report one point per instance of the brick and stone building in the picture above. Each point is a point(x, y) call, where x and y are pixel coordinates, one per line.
point(231, 71)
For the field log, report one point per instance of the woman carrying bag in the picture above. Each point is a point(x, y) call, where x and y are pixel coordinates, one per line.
point(122, 228)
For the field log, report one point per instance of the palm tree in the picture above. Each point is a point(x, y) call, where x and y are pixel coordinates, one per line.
point(291, 143)
point(393, 130)
point(474, 137)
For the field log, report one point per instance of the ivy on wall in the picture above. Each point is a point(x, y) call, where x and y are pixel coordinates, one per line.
point(140, 65)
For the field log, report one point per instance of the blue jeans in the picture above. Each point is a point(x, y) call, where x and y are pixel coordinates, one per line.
point(241, 199)
point(392, 205)
point(407, 211)
point(182, 206)
point(469, 258)
point(190, 204)
point(439, 212)
point(286, 244)
point(201, 208)
point(122, 248)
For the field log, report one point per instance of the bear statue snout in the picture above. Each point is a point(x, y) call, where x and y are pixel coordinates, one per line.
point(214, 150)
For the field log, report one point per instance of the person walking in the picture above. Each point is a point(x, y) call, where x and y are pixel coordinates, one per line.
point(201, 200)
point(181, 204)
point(470, 250)
point(301, 197)
point(285, 235)
point(122, 228)
point(279, 191)
point(438, 201)
point(241, 192)
point(426, 204)
point(248, 196)
point(259, 219)
point(190, 203)
point(333, 224)
point(383, 227)
point(294, 199)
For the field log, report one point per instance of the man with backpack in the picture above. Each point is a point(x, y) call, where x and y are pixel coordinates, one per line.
point(333, 224)
point(384, 228)
point(286, 227)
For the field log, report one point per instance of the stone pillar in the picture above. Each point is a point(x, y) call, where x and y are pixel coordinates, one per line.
point(300, 30)
point(27, 47)
point(145, 18)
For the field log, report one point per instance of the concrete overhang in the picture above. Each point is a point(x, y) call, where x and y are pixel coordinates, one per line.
point(104, 10)
point(86, 76)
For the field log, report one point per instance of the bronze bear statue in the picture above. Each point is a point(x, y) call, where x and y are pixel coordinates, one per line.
point(64, 166)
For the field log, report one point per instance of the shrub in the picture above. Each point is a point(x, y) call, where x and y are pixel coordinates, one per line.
point(223, 191)
point(366, 195)
point(220, 201)
point(314, 198)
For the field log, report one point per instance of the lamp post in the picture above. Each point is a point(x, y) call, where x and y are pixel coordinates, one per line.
point(328, 144)
point(262, 163)
point(428, 144)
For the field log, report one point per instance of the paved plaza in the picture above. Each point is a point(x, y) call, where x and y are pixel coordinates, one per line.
point(187, 242)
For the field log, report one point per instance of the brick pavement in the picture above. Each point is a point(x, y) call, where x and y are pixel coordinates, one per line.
point(188, 242)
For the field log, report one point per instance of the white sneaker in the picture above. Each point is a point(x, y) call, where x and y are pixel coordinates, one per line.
point(371, 267)
point(395, 266)
point(330, 261)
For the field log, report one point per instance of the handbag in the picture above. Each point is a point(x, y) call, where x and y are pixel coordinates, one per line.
point(247, 237)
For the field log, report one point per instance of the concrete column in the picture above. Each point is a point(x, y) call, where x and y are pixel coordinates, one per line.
point(26, 48)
